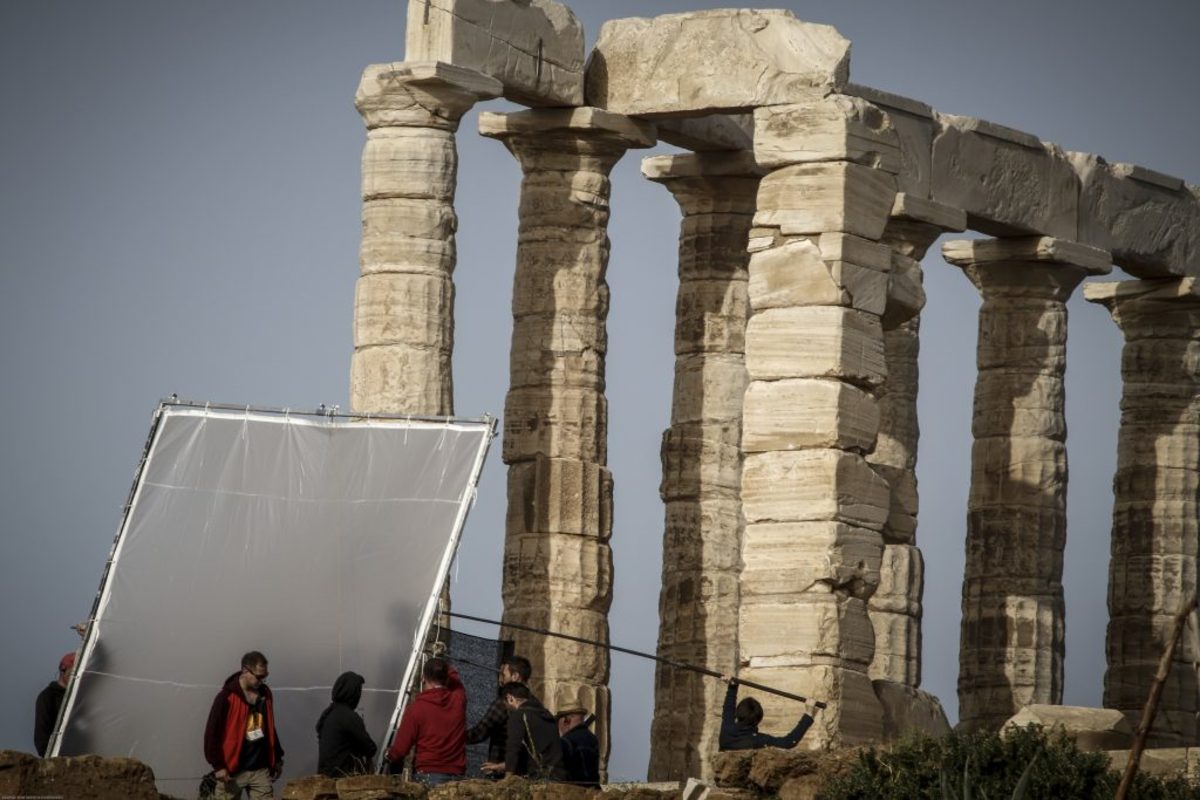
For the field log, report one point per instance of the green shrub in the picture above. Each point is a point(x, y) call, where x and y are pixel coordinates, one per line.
point(990, 766)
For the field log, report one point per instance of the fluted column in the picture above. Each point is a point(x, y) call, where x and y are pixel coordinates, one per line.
point(814, 508)
point(1156, 511)
point(1011, 647)
point(702, 464)
point(404, 300)
point(557, 562)
point(895, 607)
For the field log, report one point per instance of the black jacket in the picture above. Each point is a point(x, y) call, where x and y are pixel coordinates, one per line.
point(493, 726)
point(533, 747)
point(343, 745)
point(581, 757)
point(45, 715)
point(736, 736)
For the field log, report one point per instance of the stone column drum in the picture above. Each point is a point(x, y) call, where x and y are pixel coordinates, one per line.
point(814, 508)
point(404, 300)
point(1156, 511)
point(895, 607)
point(1011, 648)
point(702, 462)
point(557, 562)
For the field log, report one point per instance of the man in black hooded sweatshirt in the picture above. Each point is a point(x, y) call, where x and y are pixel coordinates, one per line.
point(343, 745)
point(532, 746)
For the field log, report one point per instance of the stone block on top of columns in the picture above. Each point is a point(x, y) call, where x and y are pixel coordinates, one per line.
point(1009, 263)
point(837, 128)
point(422, 94)
point(808, 413)
point(540, 132)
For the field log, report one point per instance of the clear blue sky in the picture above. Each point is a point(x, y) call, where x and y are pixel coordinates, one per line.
point(179, 212)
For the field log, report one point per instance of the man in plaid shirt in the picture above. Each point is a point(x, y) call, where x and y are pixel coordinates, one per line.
point(493, 726)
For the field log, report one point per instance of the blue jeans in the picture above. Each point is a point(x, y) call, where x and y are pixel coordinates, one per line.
point(432, 779)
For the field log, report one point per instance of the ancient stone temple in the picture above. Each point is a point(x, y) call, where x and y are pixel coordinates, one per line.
point(791, 548)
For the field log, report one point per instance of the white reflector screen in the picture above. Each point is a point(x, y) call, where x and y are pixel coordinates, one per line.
point(323, 542)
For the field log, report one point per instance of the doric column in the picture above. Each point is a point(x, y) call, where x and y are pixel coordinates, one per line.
point(1156, 513)
point(404, 301)
point(557, 562)
point(814, 508)
point(1011, 647)
point(895, 607)
point(702, 463)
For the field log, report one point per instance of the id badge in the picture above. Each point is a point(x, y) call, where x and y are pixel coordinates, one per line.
point(254, 735)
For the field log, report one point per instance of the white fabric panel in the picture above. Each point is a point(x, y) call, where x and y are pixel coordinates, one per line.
point(321, 542)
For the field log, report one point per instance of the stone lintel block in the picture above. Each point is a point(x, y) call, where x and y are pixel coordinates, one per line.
point(703, 534)
point(905, 292)
point(854, 714)
point(555, 495)
point(700, 461)
point(554, 658)
point(808, 413)
point(908, 711)
point(1150, 222)
point(718, 133)
point(565, 572)
point(839, 196)
point(897, 647)
point(813, 485)
point(419, 163)
point(1030, 403)
point(1113, 294)
point(835, 128)
point(914, 208)
point(901, 581)
point(563, 422)
point(801, 273)
point(666, 168)
point(914, 124)
point(398, 308)
point(822, 628)
point(595, 123)
point(705, 62)
point(784, 559)
point(410, 235)
point(816, 342)
point(1022, 471)
point(423, 94)
point(1004, 180)
point(710, 316)
point(708, 388)
point(1092, 729)
point(1027, 249)
point(401, 379)
point(534, 48)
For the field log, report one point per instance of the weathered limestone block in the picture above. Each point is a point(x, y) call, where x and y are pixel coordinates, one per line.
point(812, 485)
point(1092, 729)
point(1041, 395)
point(561, 571)
point(409, 163)
point(901, 575)
point(908, 711)
point(711, 316)
point(562, 422)
point(382, 381)
point(855, 716)
point(840, 128)
point(703, 62)
point(533, 47)
point(785, 558)
point(409, 236)
point(905, 293)
point(393, 308)
point(701, 460)
point(714, 133)
point(914, 125)
point(822, 627)
point(815, 342)
point(549, 284)
point(806, 413)
point(832, 270)
point(897, 655)
point(1007, 181)
point(708, 387)
point(703, 533)
point(551, 495)
point(1149, 221)
point(826, 197)
point(420, 94)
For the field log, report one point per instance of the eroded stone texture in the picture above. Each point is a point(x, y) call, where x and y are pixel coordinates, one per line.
point(703, 62)
point(1091, 729)
point(558, 562)
point(698, 605)
point(915, 127)
point(814, 507)
point(1156, 533)
point(533, 47)
point(404, 301)
point(908, 711)
point(1012, 646)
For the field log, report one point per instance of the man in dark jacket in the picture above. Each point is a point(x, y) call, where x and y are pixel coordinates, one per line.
point(532, 746)
point(49, 701)
point(494, 723)
point(343, 745)
point(581, 748)
point(435, 725)
point(240, 740)
point(739, 724)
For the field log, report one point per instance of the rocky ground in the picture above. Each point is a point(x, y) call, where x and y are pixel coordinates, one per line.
point(786, 774)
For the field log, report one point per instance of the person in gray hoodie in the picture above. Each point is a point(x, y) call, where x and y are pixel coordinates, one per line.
point(343, 745)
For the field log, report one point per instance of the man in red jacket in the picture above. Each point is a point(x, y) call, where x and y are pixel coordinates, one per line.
point(239, 740)
point(435, 724)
